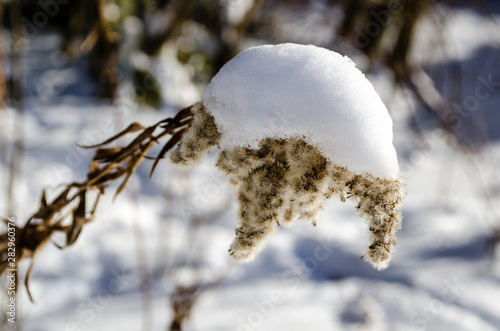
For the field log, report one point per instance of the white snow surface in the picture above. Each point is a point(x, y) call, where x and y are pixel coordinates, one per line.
point(304, 91)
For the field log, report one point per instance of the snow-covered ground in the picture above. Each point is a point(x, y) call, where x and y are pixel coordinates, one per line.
point(179, 225)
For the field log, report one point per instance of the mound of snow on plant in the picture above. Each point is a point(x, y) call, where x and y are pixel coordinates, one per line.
point(304, 91)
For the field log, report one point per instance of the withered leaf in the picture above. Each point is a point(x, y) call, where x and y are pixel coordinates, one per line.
point(171, 143)
point(165, 123)
point(43, 202)
point(28, 277)
point(94, 169)
point(101, 188)
point(183, 114)
point(47, 211)
point(133, 146)
point(147, 133)
point(78, 220)
point(107, 165)
point(106, 153)
point(95, 205)
point(62, 198)
point(108, 177)
point(134, 127)
point(34, 235)
point(182, 118)
point(132, 164)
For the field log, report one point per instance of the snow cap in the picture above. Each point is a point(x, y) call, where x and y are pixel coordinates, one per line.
point(303, 91)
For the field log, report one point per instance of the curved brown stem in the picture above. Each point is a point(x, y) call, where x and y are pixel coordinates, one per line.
point(107, 165)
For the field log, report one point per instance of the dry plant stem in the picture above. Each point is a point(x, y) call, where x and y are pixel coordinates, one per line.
point(107, 165)
point(142, 266)
point(491, 204)
point(183, 299)
point(182, 302)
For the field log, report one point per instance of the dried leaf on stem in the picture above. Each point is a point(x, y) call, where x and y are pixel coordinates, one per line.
point(107, 165)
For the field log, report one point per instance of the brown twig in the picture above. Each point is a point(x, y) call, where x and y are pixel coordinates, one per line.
point(108, 164)
point(142, 267)
point(183, 299)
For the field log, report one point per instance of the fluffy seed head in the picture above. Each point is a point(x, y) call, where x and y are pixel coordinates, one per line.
point(288, 179)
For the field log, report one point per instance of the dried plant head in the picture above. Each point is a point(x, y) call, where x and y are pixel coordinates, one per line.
point(284, 180)
point(201, 137)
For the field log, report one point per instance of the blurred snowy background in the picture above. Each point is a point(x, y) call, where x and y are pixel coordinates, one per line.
point(76, 72)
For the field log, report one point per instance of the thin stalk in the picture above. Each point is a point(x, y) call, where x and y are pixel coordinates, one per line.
point(142, 267)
